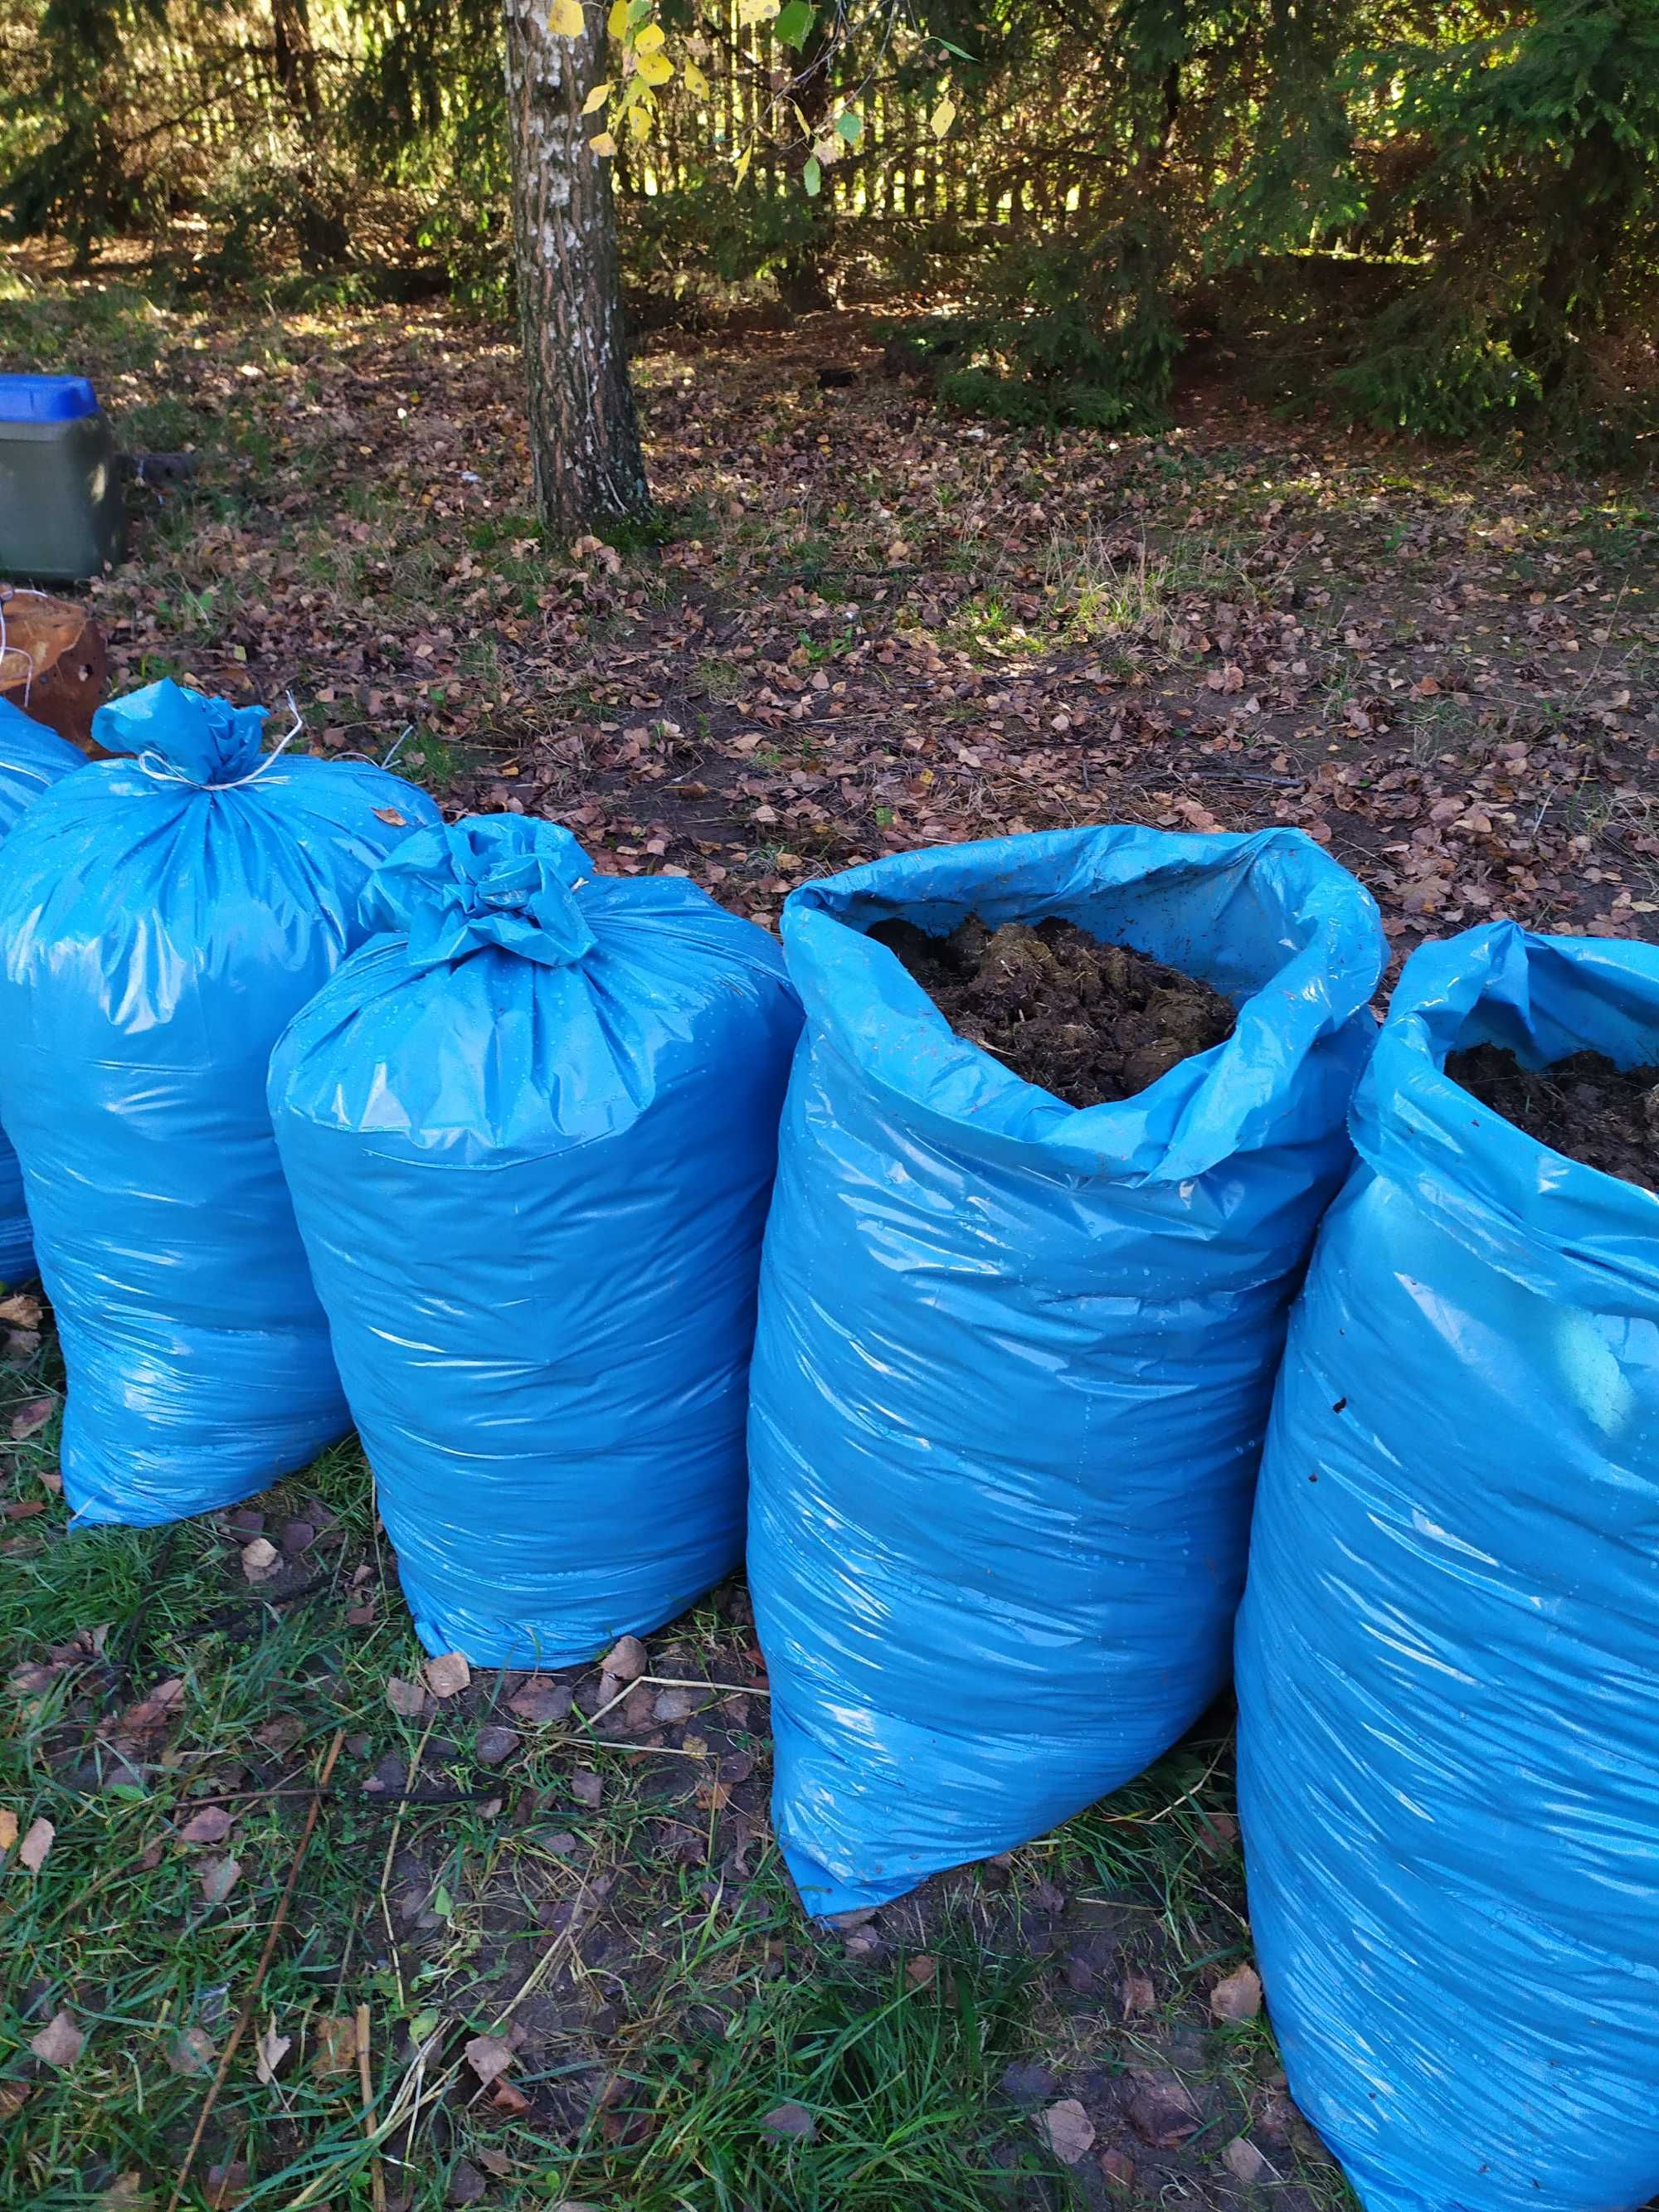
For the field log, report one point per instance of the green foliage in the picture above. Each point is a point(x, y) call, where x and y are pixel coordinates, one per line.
point(1440, 219)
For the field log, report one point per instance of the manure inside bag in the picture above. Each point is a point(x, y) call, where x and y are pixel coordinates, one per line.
point(1448, 1650)
point(530, 1131)
point(31, 759)
point(1014, 1358)
point(161, 917)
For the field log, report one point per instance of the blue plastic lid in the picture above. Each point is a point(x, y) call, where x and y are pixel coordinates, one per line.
point(45, 399)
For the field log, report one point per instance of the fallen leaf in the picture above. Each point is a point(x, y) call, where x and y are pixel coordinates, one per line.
point(14, 2095)
point(466, 2183)
point(336, 2045)
point(489, 2055)
point(227, 2185)
point(8, 1828)
point(1245, 2162)
point(32, 1417)
point(921, 1971)
point(791, 2120)
point(260, 1559)
point(192, 2050)
point(540, 1701)
point(218, 1877)
point(210, 1826)
point(269, 2052)
point(1238, 1997)
point(20, 1311)
point(406, 1699)
point(1070, 2132)
point(626, 1660)
point(505, 2099)
point(39, 1839)
point(59, 2043)
point(448, 1675)
point(587, 1787)
point(391, 814)
point(1139, 1995)
point(1160, 2109)
point(1117, 2169)
point(672, 1705)
point(496, 1744)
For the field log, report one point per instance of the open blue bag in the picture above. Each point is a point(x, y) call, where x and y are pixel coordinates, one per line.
point(1448, 1652)
point(160, 919)
point(1014, 1359)
point(31, 759)
point(531, 1136)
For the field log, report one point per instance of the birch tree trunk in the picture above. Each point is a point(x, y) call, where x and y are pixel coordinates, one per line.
point(584, 438)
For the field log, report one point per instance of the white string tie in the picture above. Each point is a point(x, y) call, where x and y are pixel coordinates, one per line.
point(163, 771)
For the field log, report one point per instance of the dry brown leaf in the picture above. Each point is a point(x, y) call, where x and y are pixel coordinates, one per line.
point(8, 1828)
point(489, 2055)
point(210, 1826)
point(1139, 1995)
point(921, 1971)
point(406, 1699)
point(218, 1877)
point(1238, 1997)
point(38, 1841)
point(59, 2043)
point(192, 2050)
point(1070, 2132)
point(20, 1311)
point(448, 1675)
point(626, 1660)
point(337, 2044)
point(32, 1417)
point(791, 2119)
point(1245, 2162)
point(391, 814)
point(269, 2052)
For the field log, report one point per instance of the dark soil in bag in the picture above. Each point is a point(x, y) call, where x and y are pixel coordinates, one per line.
point(1092, 1022)
point(1607, 1117)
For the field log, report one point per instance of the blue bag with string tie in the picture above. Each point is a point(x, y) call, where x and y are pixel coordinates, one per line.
point(31, 759)
point(530, 1132)
point(161, 917)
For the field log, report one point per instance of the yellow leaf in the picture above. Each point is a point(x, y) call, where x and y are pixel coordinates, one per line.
point(640, 123)
point(744, 159)
point(617, 22)
point(604, 144)
point(650, 39)
point(596, 99)
point(750, 12)
point(694, 81)
point(656, 68)
point(565, 19)
point(943, 116)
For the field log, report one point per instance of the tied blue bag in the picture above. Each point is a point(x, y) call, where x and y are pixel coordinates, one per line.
point(160, 919)
point(31, 759)
point(531, 1131)
point(1014, 1359)
point(1448, 1650)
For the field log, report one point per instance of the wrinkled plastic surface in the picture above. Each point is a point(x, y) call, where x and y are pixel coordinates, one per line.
point(160, 919)
point(31, 759)
point(1014, 1359)
point(531, 1139)
point(1448, 1654)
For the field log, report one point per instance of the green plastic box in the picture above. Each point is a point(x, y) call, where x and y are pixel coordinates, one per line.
point(62, 514)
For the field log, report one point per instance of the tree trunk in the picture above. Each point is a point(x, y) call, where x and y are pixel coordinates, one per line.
point(584, 438)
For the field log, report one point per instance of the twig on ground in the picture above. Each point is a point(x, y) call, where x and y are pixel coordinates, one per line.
point(246, 2014)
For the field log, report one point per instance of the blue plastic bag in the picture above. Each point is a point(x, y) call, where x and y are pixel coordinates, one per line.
point(31, 759)
point(160, 919)
point(1014, 1359)
point(1448, 1653)
point(531, 1138)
